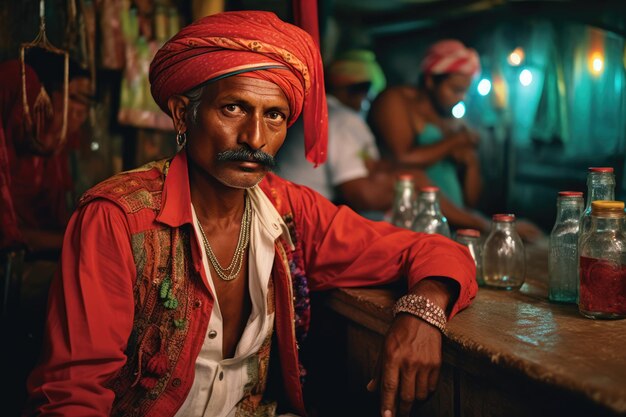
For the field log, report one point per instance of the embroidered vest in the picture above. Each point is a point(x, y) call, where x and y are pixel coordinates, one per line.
point(164, 285)
point(164, 291)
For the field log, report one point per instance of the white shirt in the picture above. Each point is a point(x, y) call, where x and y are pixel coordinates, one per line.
point(350, 140)
point(219, 383)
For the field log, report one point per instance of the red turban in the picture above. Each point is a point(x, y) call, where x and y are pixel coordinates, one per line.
point(449, 56)
point(254, 44)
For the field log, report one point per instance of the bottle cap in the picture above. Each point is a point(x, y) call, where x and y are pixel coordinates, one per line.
point(570, 194)
point(405, 177)
point(606, 208)
point(503, 217)
point(430, 189)
point(468, 232)
point(600, 169)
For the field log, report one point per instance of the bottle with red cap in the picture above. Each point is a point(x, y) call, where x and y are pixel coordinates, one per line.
point(429, 218)
point(504, 263)
point(600, 186)
point(563, 254)
point(603, 263)
point(471, 239)
point(404, 208)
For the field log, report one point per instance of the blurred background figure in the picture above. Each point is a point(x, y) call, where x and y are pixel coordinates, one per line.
point(416, 129)
point(351, 174)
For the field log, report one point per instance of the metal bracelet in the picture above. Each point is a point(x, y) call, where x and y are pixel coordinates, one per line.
point(423, 308)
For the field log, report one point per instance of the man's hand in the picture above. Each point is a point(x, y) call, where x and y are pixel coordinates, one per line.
point(409, 363)
point(411, 360)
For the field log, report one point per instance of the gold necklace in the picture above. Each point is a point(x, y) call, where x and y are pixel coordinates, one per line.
point(232, 270)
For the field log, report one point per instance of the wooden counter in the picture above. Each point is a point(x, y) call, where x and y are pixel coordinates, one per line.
point(511, 353)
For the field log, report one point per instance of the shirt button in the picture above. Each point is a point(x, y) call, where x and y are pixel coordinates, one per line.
point(212, 334)
point(275, 226)
point(221, 375)
point(176, 382)
point(197, 304)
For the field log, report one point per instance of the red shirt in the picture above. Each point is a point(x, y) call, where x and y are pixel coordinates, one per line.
point(91, 303)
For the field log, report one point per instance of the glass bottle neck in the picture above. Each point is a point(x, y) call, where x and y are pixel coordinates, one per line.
point(405, 192)
point(570, 209)
point(601, 186)
point(503, 226)
point(429, 203)
point(602, 224)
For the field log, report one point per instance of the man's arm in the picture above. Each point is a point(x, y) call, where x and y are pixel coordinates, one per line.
point(90, 315)
point(342, 249)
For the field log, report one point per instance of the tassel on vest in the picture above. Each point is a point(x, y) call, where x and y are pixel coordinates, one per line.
point(156, 366)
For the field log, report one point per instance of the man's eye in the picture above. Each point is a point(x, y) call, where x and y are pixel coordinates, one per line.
point(231, 108)
point(274, 115)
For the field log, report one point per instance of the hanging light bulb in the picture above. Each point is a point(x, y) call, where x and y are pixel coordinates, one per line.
point(525, 77)
point(484, 87)
point(516, 57)
point(458, 111)
point(596, 63)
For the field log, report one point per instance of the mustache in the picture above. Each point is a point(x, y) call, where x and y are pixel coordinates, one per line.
point(247, 155)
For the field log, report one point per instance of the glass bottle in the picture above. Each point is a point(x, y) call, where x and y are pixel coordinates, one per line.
point(600, 186)
point(603, 263)
point(471, 239)
point(404, 208)
point(504, 263)
point(563, 254)
point(429, 217)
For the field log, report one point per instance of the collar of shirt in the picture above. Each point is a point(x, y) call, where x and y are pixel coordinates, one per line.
point(176, 198)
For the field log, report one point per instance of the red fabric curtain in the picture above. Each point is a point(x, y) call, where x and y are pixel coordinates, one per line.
point(305, 16)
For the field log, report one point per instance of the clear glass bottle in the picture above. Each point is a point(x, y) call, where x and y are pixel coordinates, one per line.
point(563, 254)
point(429, 218)
point(504, 263)
point(471, 239)
point(602, 293)
point(600, 186)
point(404, 208)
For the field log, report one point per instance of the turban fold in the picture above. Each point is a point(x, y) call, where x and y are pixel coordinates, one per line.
point(450, 56)
point(248, 43)
point(354, 67)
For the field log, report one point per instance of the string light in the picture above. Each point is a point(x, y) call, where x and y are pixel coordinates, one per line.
point(516, 57)
point(484, 87)
point(596, 63)
point(525, 77)
point(458, 111)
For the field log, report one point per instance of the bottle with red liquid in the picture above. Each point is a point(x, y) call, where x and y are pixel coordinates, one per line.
point(602, 293)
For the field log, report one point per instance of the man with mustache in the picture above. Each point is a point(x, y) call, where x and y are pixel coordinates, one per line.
point(181, 279)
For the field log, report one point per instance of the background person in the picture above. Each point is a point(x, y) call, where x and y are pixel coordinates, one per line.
point(414, 126)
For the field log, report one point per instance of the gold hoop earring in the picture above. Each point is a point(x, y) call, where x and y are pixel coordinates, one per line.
point(181, 139)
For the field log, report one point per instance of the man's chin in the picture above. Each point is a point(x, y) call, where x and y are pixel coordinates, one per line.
point(243, 182)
